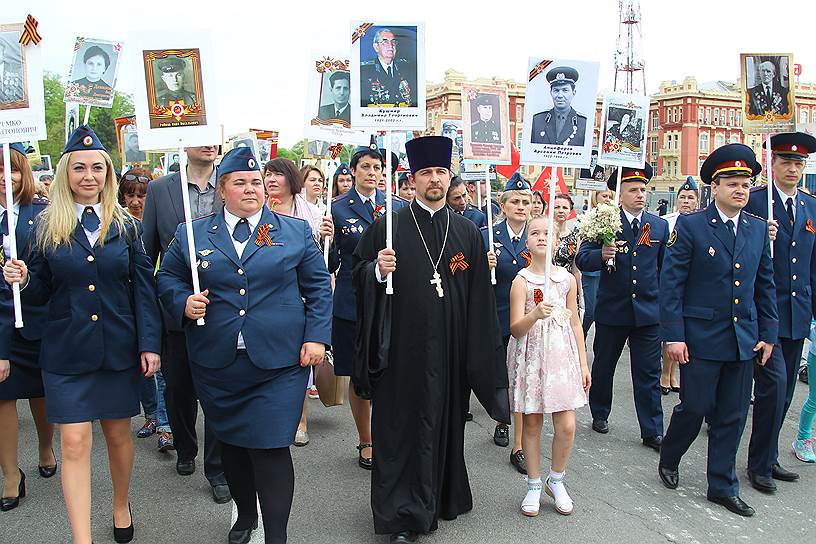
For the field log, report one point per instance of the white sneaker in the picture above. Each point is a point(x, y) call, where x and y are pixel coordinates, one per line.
point(532, 501)
point(301, 438)
point(558, 491)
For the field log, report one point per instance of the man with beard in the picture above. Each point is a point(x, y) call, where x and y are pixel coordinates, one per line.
point(422, 350)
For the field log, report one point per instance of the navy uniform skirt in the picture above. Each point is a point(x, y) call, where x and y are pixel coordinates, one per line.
point(25, 380)
point(343, 334)
point(102, 394)
point(251, 407)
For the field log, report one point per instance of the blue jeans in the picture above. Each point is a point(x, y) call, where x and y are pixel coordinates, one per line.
point(147, 396)
point(162, 424)
point(589, 282)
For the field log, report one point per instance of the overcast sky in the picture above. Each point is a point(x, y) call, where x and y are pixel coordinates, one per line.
point(264, 48)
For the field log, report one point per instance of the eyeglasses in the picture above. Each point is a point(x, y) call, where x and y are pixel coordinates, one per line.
point(134, 177)
point(392, 42)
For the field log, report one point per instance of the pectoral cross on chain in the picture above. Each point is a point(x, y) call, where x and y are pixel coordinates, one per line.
point(437, 280)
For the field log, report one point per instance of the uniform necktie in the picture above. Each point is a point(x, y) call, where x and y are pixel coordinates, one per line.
point(789, 207)
point(516, 240)
point(390, 73)
point(90, 221)
point(635, 227)
point(241, 231)
point(3, 226)
point(732, 233)
point(370, 208)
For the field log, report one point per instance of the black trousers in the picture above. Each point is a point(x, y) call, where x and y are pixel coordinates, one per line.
point(266, 475)
point(774, 384)
point(181, 401)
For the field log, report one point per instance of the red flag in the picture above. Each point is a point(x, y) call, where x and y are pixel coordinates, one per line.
point(507, 170)
point(543, 184)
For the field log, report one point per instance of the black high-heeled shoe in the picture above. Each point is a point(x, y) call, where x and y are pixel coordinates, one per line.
point(364, 462)
point(665, 390)
point(126, 534)
point(50, 470)
point(10, 503)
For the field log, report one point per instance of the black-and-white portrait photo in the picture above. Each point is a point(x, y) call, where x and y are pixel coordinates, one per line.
point(768, 85)
point(316, 149)
point(334, 97)
point(264, 151)
point(93, 72)
point(624, 125)
point(595, 171)
point(71, 118)
point(388, 67)
point(561, 124)
point(130, 145)
point(13, 88)
point(486, 129)
point(44, 164)
point(175, 82)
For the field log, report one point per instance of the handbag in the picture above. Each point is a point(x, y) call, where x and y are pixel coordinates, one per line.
point(331, 388)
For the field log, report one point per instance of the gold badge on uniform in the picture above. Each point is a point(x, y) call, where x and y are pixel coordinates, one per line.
point(205, 264)
point(205, 252)
point(672, 238)
point(711, 251)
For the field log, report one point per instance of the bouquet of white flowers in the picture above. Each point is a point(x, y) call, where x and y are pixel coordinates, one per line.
point(601, 224)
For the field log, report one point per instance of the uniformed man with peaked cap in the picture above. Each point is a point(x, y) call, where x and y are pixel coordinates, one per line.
point(172, 75)
point(561, 125)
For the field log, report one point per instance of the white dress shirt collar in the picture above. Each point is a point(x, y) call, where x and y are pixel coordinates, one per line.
point(630, 217)
point(232, 220)
point(725, 218)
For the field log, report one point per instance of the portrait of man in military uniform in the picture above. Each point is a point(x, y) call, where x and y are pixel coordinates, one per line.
point(767, 94)
point(172, 84)
point(130, 141)
point(339, 84)
point(388, 72)
point(12, 74)
point(485, 130)
point(560, 125)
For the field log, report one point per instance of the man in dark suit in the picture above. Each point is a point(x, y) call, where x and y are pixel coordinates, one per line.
point(387, 80)
point(627, 307)
point(795, 278)
point(769, 95)
point(339, 108)
point(718, 316)
point(560, 125)
point(164, 211)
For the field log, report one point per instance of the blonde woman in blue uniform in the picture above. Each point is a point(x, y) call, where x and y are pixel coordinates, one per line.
point(266, 302)
point(20, 376)
point(104, 328)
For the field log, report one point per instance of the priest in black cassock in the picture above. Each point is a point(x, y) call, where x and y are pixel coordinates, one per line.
point(423, 349)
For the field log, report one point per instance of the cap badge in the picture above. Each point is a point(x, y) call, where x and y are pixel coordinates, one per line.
point(559, 75)
point(637, 173)
point(87, 141)
point(793, 148)
point(738, 163)
point(251, 163)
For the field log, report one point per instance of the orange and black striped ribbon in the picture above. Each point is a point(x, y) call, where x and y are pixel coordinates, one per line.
point(30, 34)
point(644, 236)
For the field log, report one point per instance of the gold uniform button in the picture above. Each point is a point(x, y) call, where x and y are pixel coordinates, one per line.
point(793, 260)
point(793, 294)
point(737, 265)
point(514, 262)
point(634, 281)
point(737, 283)
point(242, 313)
point(242, 292)
point(94, 317)
point(735, 319)
point(634, 254)
point(634, 267)
point(90, 258)
point(240, 272)
point(736, 301)
point(634, 295)
point(794, 277)
point(793, 243)
point(92, 288)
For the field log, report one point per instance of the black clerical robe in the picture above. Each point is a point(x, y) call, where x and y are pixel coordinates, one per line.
point(420, 355)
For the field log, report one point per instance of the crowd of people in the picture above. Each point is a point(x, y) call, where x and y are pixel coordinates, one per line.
point(116, 324)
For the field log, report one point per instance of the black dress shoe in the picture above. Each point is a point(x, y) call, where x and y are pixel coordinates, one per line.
point(221, 494)
point(761, 483)
point(364, 462)
point(241, 536)
point(403, 536)
point(675, 389)
point(10, 503)
point(654, 442)
point(501, 435)
point(780, 473)
point(669, 476)
point(185, 467)
point(665, 390)
point(600, 426)
point(517, 460)
point(126, 534)
point(49, 470)
point(733, 504)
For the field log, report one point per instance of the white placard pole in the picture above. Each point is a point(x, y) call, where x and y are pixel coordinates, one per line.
point(490, 220)
point(479, 196)
point(769, 176)
point(618, 186)
point(327, 241)
point(550, 231)
point(87, 115)
point(188, 222)
point(389, 225)
point(12, 238)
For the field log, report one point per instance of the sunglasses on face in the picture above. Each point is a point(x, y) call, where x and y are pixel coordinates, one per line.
point(134, 177)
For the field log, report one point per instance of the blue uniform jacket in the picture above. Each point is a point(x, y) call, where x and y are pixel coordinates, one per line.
point(351, 217)
point(794, 260)
point(629, 295)
point(103, 308)
point(277, 296)
point(475, 216)
point(718, 302)
point(509, 261)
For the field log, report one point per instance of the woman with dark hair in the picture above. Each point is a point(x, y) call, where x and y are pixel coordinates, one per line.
point(538, 204)
point(20, 376)
point(314, 183)
point(343, 180)
point(567, 241)
point(283, 183)
point(133, 190)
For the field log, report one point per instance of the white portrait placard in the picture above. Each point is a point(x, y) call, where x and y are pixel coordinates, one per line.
point(623, 130)
point(559, 112)
point(93, 72)
point(328, 106)
point(485, 124)
point(22, 104)
point(768, 98)
point(388, 87)
point(177, 99)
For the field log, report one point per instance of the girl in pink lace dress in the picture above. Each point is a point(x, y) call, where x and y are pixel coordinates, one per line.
point(547, 366)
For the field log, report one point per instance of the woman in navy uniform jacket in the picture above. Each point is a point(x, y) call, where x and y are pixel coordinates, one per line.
point(266, 302)
point(508, 255)
point(21, 378)
point(88, 262)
